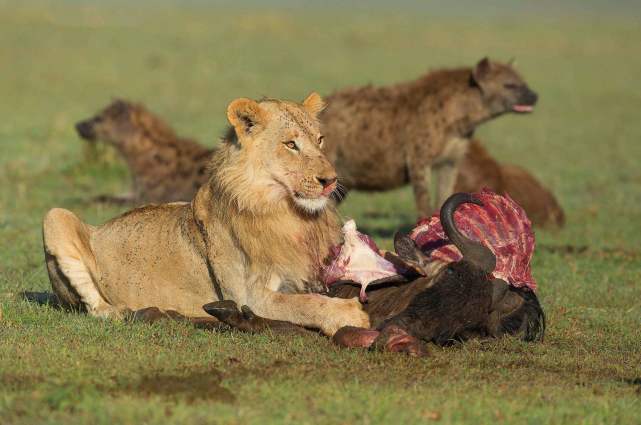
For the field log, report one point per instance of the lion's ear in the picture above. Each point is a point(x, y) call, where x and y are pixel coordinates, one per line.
point(314, 103)
point(245, 115)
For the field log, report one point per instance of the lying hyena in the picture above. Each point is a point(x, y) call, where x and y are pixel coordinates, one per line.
point(164, 167)
point(480, 170)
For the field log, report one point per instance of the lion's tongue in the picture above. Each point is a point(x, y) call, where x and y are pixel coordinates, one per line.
point(523, 108)
point(327, 190)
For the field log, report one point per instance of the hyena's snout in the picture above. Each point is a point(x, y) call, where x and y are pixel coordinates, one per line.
point(85, 130)
point(528, 96)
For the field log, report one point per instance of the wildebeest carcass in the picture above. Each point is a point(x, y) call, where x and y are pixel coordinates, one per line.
point(451, 301)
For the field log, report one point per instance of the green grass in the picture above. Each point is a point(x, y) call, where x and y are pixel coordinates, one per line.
point(63, 60)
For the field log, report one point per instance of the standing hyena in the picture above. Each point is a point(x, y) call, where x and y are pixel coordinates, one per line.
point(381, 138)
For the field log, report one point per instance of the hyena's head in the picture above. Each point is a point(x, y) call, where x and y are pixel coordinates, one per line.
point(502, 88)
point(121, 123)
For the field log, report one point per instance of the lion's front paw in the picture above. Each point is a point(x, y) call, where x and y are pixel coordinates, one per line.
point(346, 312)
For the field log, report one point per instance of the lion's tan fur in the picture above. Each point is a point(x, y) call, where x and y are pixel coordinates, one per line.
point(252, 212)
point(257, 232)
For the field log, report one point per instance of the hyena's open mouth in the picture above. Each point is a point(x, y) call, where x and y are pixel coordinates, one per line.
point(523, 109)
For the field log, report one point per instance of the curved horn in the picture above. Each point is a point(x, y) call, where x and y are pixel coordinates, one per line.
point(474, 252)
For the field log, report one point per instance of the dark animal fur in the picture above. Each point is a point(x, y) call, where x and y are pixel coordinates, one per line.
point(446, 310)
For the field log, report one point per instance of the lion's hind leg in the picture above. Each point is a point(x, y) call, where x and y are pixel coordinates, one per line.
point(71, 263)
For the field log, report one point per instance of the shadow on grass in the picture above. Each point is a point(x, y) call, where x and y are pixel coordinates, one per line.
point(41, 298)
point(204, 385)
point(196, 386)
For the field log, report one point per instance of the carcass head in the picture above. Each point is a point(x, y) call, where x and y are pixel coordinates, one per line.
point(458, 302)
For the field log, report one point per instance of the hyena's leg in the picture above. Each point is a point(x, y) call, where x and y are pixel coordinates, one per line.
point(420, 175)
point(446, 174)
point(71, 263)
point(447, 170)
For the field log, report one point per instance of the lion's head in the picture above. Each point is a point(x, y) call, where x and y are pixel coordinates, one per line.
point(274, 156)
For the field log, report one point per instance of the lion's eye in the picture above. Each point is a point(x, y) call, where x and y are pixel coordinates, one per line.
point(321, 139)
point(291, 145)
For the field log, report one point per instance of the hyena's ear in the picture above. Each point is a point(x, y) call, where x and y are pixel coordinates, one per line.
point(314, 104)
point(246, 116)
point(481, 70)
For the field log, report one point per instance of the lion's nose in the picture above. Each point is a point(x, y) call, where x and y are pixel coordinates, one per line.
point(326, 180)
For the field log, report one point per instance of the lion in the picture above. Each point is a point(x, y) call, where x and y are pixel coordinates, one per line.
point(257, 233)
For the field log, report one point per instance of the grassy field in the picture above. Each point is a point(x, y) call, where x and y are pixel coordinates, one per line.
point(62, 60)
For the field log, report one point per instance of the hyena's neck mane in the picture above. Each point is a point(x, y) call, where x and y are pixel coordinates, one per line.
point(153, 127)
point(452, 90)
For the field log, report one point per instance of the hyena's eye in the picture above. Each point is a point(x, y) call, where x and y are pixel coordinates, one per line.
point(511, 86)
point(321, 139)
point(291, 145)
